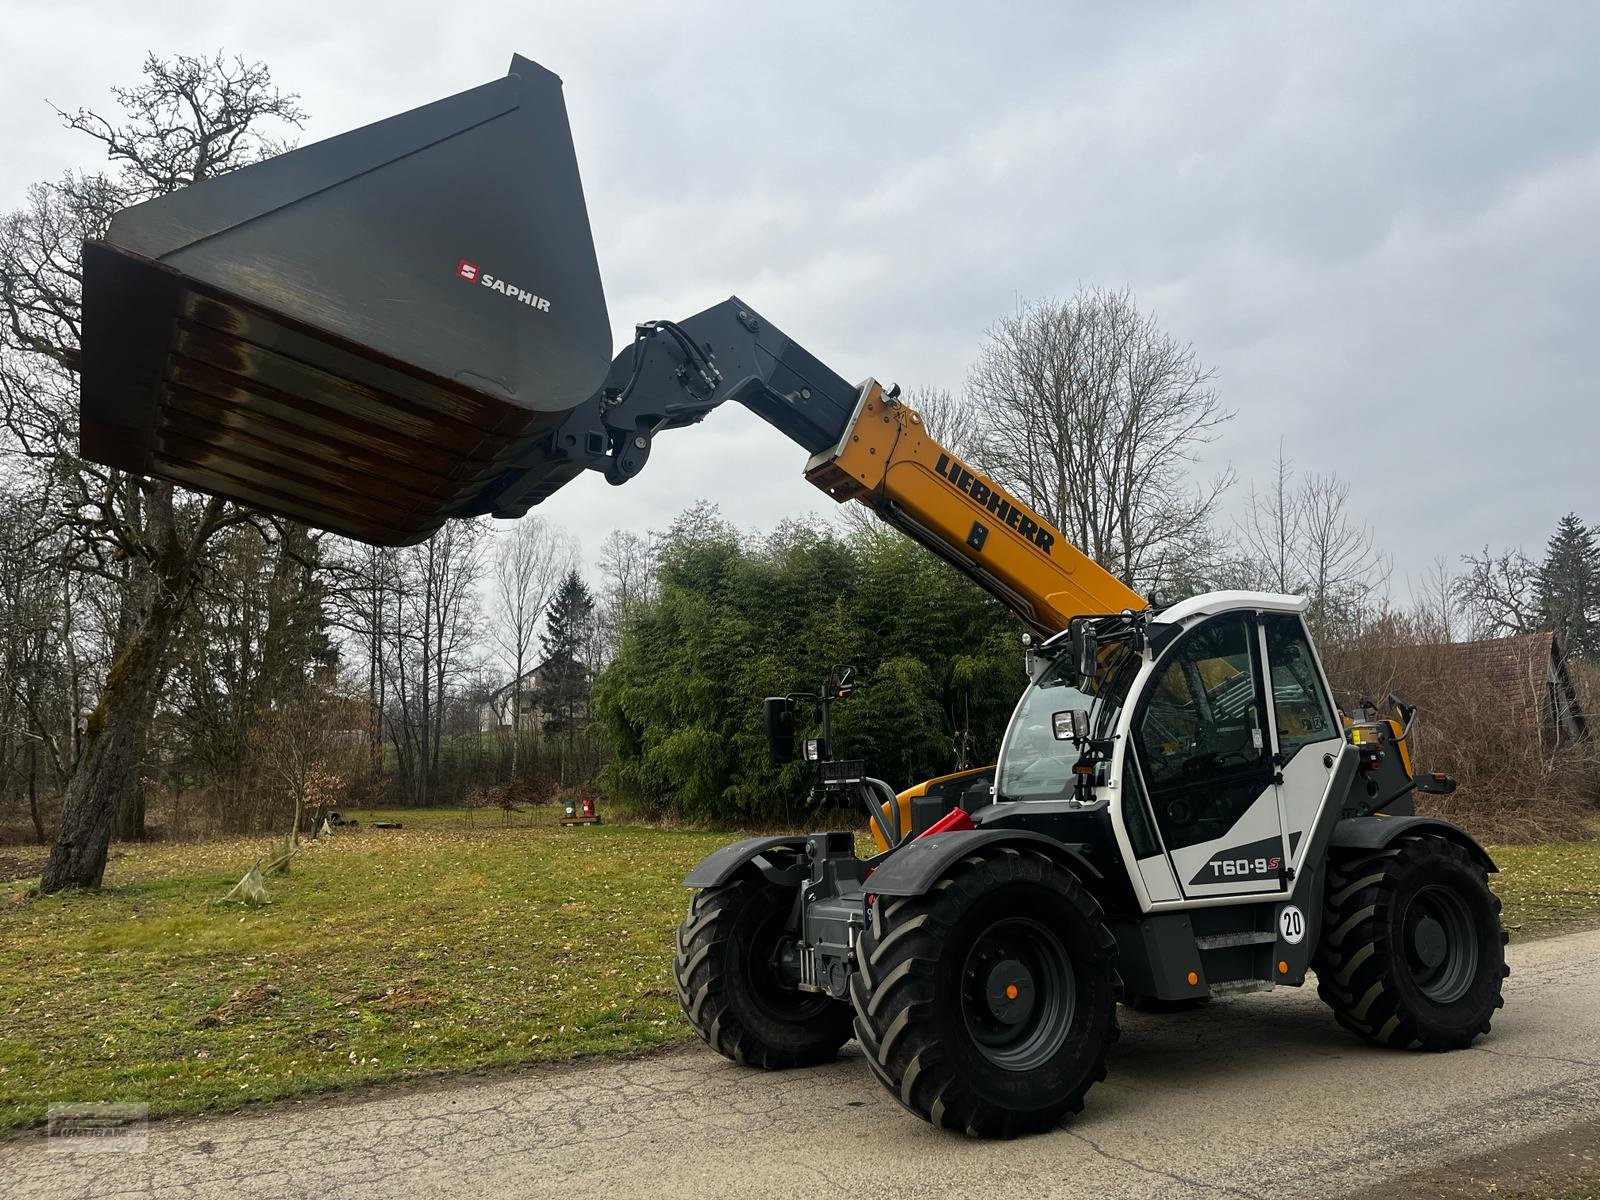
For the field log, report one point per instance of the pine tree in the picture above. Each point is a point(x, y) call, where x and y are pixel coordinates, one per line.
point(569, 626)
point(1568, 587)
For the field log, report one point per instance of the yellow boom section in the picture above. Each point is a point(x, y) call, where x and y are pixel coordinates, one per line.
point(888, 461)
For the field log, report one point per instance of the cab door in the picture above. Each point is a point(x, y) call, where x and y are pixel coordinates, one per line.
point(1203, 739)
point(1307, 736)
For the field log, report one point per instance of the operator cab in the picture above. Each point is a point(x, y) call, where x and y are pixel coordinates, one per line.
point(1197, 747)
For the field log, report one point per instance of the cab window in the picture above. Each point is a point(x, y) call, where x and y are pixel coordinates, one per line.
point(1304, 716)
point(1200, 735)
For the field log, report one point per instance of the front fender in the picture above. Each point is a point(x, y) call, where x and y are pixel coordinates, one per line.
point(916, 867)
point(1379, 831)
point(722, 865)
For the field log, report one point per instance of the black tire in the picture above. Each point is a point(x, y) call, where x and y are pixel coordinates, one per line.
point(730, 991)
point(1412, 952)
point(938, 1034)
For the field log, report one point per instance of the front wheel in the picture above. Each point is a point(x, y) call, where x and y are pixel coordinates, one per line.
point(733, 989)
point(987, 1005)
point(1412, 952)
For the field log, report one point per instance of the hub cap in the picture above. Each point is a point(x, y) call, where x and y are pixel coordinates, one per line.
point(1018, 994)
point(1441, 946)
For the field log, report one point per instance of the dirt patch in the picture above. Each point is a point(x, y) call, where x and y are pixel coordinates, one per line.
point(1558, 1166)
point(22, 863)
point(244, 1002)
point(409, 998)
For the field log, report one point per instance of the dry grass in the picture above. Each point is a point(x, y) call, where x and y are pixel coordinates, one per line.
point(1516, 784)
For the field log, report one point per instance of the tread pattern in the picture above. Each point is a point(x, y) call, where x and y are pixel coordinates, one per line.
point(1364, 978)
point(719, 1008)
point(895, 996)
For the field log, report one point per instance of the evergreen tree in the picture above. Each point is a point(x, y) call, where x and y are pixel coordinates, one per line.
point(568, 633)
point(1568, 587)
point(738, 616)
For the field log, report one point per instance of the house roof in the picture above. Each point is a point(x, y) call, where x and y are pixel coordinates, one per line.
point(528, 676)
point(1503, 663)
point(1516, 669)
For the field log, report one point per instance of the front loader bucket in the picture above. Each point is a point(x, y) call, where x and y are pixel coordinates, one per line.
point(363, 333)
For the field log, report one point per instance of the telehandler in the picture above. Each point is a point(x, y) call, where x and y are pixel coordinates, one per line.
point(405, 323)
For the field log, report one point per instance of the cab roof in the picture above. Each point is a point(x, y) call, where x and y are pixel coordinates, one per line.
point(1210, 603)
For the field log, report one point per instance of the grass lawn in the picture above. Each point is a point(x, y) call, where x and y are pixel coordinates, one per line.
point(384, 953)
point(391, 953)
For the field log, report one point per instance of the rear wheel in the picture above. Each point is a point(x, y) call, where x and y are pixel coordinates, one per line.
point(732, 985)
point(987, 1005)
point(1412, 952)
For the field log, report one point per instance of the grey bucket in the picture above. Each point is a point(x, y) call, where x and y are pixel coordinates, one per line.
point(364, 333)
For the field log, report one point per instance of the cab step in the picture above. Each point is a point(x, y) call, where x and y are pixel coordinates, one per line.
point(1238, 987)
point(1222, 941)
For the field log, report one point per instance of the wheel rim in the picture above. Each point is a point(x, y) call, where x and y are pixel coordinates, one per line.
point(766, 979)
point(1441, 945)
point(1018, 994)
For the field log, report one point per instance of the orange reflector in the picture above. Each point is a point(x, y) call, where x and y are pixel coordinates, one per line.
point(1194, 978)
point(1011, 991)
point(1283, 967)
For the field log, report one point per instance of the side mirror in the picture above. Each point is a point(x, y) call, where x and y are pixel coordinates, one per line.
point(1085, 650)
point(777, 713)
point(1071, 725)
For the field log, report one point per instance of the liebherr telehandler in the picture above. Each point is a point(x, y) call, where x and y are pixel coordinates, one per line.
point(405, 323)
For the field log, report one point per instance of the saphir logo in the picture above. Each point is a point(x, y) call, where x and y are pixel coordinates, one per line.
point(472, 274)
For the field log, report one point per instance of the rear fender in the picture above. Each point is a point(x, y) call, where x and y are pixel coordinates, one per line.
point(722, 865)
point(1379, 832)
point(918, 865)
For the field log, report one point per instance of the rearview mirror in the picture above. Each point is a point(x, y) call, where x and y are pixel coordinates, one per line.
point(1071, 725)
point(1085, 650)
point(777, 713)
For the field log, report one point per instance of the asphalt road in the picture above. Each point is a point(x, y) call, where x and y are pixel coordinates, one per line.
point(1260, 1096)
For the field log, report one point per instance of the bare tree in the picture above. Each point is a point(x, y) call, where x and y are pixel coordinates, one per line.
point(362, 593)
point(190, 119)
point(530, 561)
point(1270, 530)
point(298, 741)
point(1097, 418)
point(1302, 539)
point(627, 568)
point(1500, 593)
point(435, 629)
point(1338, 558)
point(954, 421)
point(1435, 609)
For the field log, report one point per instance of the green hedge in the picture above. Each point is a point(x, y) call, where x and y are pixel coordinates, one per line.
point(738, 618)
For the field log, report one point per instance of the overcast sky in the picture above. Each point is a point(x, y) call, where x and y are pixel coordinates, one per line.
point(1380, 224)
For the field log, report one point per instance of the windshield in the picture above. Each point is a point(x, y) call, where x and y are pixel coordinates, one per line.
point(1034, 764)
